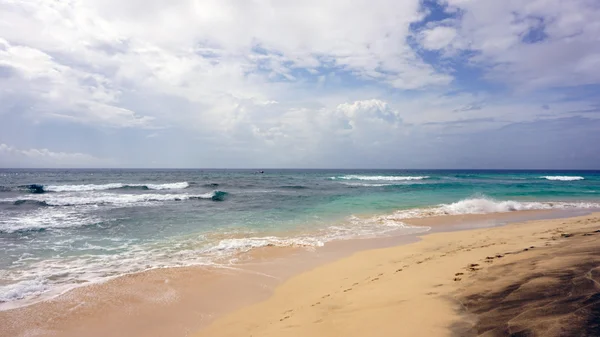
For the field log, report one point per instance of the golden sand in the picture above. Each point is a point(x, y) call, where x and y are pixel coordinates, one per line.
point(495, 281)
point(481, 281)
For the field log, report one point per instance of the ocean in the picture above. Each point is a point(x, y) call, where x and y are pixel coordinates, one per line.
point(60, 229)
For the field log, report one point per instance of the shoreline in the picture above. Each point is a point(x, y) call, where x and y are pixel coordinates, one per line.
point(463, 283)
point(172, 289)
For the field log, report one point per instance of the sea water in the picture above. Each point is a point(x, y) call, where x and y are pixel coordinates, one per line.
point(64, 228)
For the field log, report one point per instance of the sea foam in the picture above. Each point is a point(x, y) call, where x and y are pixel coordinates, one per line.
point(380, 178)
point(101, 198)
point(564, 178)
point(485, 205)
point(112, 186)
point(21, 290)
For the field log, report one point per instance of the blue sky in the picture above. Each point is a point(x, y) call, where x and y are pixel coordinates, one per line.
point(335, 84)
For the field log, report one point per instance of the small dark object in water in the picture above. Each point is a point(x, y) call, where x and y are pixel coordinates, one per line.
point(35, 188)
point(219, 196)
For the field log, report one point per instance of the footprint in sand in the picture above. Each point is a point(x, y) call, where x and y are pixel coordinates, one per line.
point(346, 290)
point(375, 279)
point(473, 267)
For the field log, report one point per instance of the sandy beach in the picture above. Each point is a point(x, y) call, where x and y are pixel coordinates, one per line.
point(534, 278)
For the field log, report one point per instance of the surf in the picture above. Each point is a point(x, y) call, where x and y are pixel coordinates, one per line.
point(379, 178)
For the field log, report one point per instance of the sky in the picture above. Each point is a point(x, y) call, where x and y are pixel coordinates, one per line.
point(300, 84)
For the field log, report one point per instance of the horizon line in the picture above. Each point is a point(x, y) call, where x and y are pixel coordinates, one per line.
point(298, 168)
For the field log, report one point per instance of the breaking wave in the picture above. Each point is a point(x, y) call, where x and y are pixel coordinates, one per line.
point(564, 178)
point(379, 178)
point(485, 205)
point(22, 290)
point(39, 189)
point(26, 202)
point(113, 186)
point(99, 198)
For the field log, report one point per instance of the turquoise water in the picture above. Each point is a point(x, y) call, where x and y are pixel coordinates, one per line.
point(63, 228)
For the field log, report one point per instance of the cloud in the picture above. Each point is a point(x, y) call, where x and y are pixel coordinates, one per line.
point(534, 45)
point(438, 37)
point(14, 157)
point(60, 91)
point(256, 81)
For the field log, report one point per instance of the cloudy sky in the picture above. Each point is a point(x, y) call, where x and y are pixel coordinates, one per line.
point(311, 83)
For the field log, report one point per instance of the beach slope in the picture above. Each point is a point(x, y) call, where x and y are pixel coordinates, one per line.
point(534, 278)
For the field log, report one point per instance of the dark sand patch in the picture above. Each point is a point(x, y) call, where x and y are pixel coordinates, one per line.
point(555, 292)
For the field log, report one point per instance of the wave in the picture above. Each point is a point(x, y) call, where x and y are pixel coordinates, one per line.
point(40, 189)
point(367, 185)
point(27, 202)
point(99, 198)
point(21, 290)
point(33, 188)
point(113, 186)
point(380, 178)
point(485, 205)
point(246, 244)
point(214, 196)
point(294, 187)
point(564, 178)
point(138, 258)
point(41, 219)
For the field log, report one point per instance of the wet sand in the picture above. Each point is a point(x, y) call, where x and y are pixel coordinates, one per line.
point(538, 278)
point(174, 301)
point(421, 288)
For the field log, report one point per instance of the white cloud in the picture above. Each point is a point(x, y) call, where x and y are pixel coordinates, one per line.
point(534, 44)
point(15, 157)
point(438, 37)
point(272, 78)
point(103, 62)
point(58, 90)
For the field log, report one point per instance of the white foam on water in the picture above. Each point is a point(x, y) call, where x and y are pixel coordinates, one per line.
point(380, 178)
point(42, 278)
point(367, 185)
point(22, 289)
point(47, 218)
point(485, 205)
point(363, 228)
point(245, 244)
point(111, 186)
point(101, 198)
point(564, 178)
